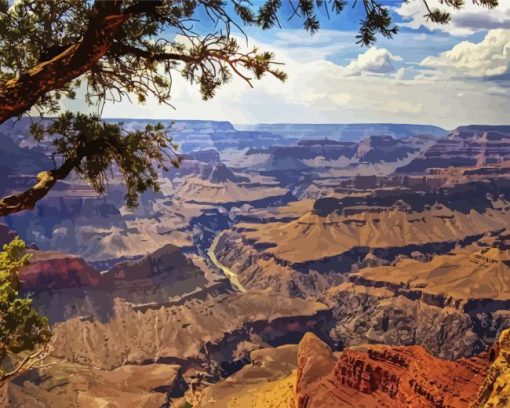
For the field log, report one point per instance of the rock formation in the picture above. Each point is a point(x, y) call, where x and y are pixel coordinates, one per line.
point(144, 305)
point(495, 390)
point(466, 146)
point(72, 386)
point(383, 376)
point(306, 253)
point(54, 270)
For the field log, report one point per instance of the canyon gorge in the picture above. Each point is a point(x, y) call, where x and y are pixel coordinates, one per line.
point(295, 266)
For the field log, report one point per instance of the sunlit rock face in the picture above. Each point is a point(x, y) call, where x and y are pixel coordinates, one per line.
point(384, 376)
point(495, 390)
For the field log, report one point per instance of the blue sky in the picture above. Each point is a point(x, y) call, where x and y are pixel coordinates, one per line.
point(443, 75)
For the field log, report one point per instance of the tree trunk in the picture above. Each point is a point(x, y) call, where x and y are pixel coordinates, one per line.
point(27, 199)
point(20, 94)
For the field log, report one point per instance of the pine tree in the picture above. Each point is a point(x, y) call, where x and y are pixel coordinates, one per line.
point(22, 329)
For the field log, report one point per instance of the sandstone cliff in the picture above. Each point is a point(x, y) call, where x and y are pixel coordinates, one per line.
point(495, 391)
point(311, 376)
point(384, 376)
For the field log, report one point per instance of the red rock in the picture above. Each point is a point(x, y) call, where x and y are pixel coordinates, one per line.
point(55, 270)
point(386, 376)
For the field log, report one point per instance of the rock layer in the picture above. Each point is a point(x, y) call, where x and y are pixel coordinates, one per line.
point(495, 391)
point(385, 376)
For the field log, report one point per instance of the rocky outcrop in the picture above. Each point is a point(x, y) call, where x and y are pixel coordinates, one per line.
point(210, 156)
point(363, 376)
point(72, 386)
point(376, 149)
point(164, 267)
point(221, 174)
point(65, 286)
point(194, 334)
point(314, 361)
point(385, 376)
point(306, 154)
point(495, 391)
point(55, 270)
point(466, 146)
point(266, 382)
point(370, 314)
point(219, 186)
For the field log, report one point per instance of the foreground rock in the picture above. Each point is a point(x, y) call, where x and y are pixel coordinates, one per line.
point(267, 382)
point(312, 376)
point(71, 386)
point(146, 356)
point(495, 392)
point(384, 376)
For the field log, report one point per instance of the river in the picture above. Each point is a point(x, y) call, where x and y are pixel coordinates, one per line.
point(232, 276)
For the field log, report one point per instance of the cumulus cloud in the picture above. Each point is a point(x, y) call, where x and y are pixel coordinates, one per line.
point(487, 59)
point(373, 61)
point(469, 20)
point(373, 87)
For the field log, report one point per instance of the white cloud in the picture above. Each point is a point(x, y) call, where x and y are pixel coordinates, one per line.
point(322, 91)
point(374, 60)
point(341, 98)
point(486, 59)
point(400, 73)
point(470, 19)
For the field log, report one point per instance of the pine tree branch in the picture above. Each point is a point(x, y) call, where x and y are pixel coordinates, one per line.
point(45, 180)
point(20, 94)
point(125, 49)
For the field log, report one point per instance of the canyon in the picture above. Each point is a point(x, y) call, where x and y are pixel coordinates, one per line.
point(278, 266)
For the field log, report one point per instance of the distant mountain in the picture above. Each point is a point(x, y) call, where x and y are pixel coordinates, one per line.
point(190, 135)
point(345, 132)
point(221, 174)
point(384, 150)
point(219, 185)
point(466, 146)
point(193, 135)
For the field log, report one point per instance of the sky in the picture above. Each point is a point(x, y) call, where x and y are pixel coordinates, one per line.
point(429, 74)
